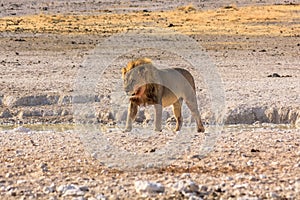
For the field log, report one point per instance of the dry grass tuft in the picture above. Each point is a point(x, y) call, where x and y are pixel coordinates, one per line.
point(276, 20)
point(187, 8)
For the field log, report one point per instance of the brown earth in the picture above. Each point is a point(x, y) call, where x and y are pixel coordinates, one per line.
point(42, 51)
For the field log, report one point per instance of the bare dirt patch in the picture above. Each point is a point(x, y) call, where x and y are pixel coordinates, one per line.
point(42, 51)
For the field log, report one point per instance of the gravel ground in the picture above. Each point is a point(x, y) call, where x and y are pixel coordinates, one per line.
point(258, 163)
point(255, 49)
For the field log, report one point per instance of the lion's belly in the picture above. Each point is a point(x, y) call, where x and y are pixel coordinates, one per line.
point(168, 98)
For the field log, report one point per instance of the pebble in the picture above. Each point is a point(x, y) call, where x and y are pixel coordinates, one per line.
point(71, 190)
point(148, 187)
point(250, 163)
point(53, 198)
point(8, 175)
point(78, 198)
point(252, 178)
point(262, 176)
point(248, 198)
point(229, 178)
point(239, 186)
point(100, 197)
point(272, 195)
point(44, 167)
point(203, 188)
point(186, 187)
point(297, 186)
point(19, 182)
point(49, 189)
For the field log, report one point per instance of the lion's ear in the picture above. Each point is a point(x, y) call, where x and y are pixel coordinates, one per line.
point(124, 70)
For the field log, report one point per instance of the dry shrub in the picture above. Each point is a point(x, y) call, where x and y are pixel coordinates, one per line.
point(232, 7)
point(187, 8)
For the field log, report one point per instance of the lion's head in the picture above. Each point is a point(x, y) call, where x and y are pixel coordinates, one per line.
point(134, 63)
point(139, 81)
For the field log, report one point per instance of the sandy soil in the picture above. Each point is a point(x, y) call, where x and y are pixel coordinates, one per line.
point(44, 45)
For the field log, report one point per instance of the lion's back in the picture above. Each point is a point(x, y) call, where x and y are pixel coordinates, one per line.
point(176, 74)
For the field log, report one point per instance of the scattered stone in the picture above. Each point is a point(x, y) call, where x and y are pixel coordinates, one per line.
point(44, 167)
point(73, 192)
point(12, 192)
point(101, 197)
point(250, 163)
point(297, 186)
point(19, 182)
point(254, 150)
point(84, 188)
point(49, 189)
point(276, 75)
point(8, 175)
point(79, 198)
point(186, 186)
point(203, 188)
point(70, 190)
point(272, 195)
point(262, 176)
point(239, 186)
point(252, 178)
point(148, 187)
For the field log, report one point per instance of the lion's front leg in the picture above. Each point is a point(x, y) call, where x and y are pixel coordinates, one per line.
point(132, 111)
point(158, 117)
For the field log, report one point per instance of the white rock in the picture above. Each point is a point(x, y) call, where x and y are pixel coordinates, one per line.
point(239, 186)
point(262, 176)
point(8, 175)
point(19, 182)
point(191, 187)
point(179, 186)
point(100, 197)
point(71, 190)
point(194, 197)
point(248, 198)
point(252, 178)
point(2, 189)
point(250, 163)
point(297, 186)
point(148, 187)
point(78, 198)
point(187, 187)
point(63, 188)
point(203, 188)
point(49, 189)
point(272, 195)
point(229, 178)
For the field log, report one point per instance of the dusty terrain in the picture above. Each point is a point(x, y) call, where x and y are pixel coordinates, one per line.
point(44, 45)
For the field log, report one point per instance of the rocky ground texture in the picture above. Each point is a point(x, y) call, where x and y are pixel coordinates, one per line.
point(255, 47)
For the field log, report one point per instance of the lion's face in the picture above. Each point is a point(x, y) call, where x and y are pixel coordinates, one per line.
point(134, 83)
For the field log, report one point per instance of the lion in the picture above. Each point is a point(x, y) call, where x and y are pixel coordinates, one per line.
point(148, 85)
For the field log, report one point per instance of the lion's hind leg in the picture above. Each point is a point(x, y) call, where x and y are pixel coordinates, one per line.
point(177, 112)
point(191, 102)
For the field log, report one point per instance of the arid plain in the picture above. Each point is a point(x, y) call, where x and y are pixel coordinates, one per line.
point(255, 48)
